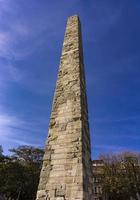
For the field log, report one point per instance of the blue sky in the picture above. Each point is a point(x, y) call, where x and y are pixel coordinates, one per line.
point(31, 36)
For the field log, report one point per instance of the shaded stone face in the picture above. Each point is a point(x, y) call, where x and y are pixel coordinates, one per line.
point(66, 171)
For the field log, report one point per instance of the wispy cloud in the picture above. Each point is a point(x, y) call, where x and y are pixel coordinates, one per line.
point(17, 130)
point(24, 142)
point(105, 148)
point(111, 149)
point(113, 120)
point(20, 38)
point(6, 124)
point(31, 34)
point(5, 44)
point(16, 29)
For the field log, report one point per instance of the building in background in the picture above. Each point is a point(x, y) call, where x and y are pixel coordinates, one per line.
point(97, 168)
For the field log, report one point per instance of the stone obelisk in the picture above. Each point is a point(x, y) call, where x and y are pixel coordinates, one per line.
point(66, 171)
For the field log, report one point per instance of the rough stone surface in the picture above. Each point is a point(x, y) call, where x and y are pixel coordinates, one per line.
point(66, 173)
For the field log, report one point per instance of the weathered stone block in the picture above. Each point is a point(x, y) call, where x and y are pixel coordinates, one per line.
point(66, 167)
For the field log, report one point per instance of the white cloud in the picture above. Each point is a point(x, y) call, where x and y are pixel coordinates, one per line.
point(113, 120)
point(21, 142)
point(16, 129)
point(20, 37)
point(21, 29)
point(5, 44)
point(13, 30)
point(6, 6)
point(9, 44)
point(8, 74)
point(6, 122)
point(109, 148)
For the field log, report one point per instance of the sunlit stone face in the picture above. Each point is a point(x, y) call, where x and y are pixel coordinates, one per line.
point(66, 170)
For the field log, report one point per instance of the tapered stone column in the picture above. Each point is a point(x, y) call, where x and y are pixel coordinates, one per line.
point(66, 172)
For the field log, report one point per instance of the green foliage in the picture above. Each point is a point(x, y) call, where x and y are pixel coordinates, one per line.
point(27, 154)
point(1, 154)
point(121, 176)
point(19, 174)
point(1, 150)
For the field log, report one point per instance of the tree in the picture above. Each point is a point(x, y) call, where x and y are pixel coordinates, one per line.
point(131, 163)
point(19, 175)
point(121, 176)
point(1, 154)
point(11, 179)
point(1, 150)
point(27, 154)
